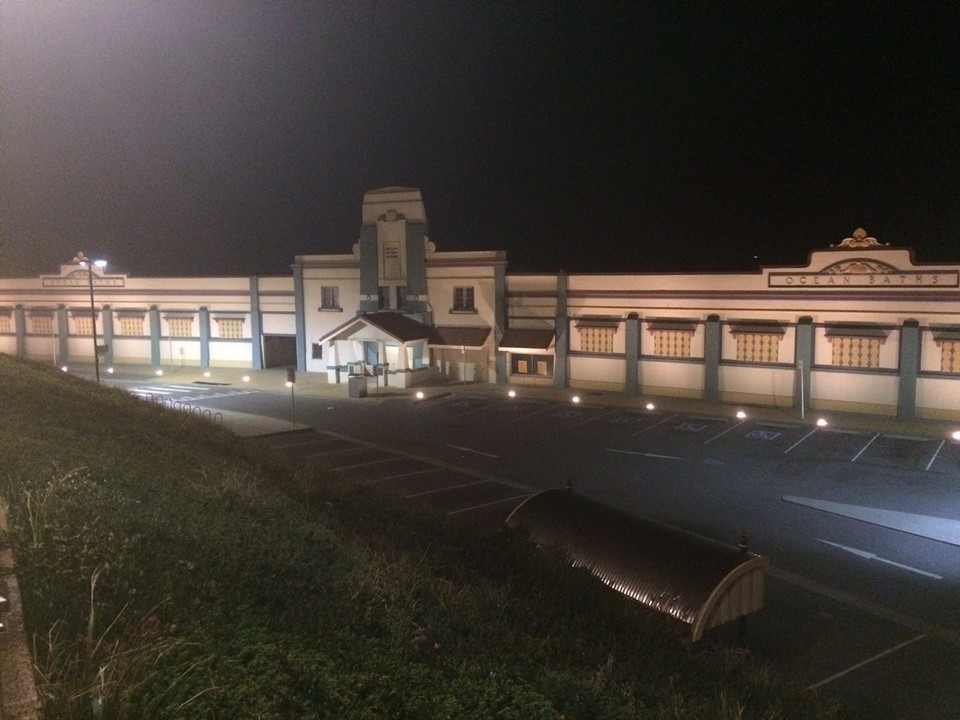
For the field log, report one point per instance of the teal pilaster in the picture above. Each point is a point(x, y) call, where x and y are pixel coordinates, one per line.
point(154, 316)
point(561, 329)
point(631, 359)
point(500, 321)
point(256, 326)
point(301, 318)
point(711, 359)
point(909, 368)
point(804, 359)
point(20, 319)
point(63, 334)
point(204, 337)
point(108, 334)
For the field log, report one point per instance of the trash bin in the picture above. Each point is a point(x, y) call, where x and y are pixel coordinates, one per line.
point(357, 386)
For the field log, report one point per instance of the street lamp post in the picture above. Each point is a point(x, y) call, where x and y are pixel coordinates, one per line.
point(86, 262)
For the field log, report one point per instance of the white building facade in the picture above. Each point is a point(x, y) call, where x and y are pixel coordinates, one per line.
point(861, 327)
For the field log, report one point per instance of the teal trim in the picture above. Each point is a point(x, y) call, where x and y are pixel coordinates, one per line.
point(204, 337)
point(804, 363)
point(562, 330)
point(20, 318)
point(256, 326)
point(500, 321)
point(711, 359)
point(108, 334)
point(631, 383)
point(154, 316)
point(909, 367)
point(63, 335)
point(369, 272)
point(300, 317)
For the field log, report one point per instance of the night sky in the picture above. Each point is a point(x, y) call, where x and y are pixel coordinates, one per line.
point(224, 138)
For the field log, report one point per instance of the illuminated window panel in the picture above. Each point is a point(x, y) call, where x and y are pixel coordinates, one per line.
point(180, 327)
point(856, 352)
point(672, 343)
point(230, 328)
point(758, 347)
point(131, 325)
point(6, 326)
point(41, 324)
point(950, 356)
point(596, 339)
point(83, 325)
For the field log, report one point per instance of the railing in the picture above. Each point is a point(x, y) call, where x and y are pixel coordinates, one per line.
point(205, 413)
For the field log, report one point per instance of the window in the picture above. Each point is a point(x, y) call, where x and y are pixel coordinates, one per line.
point(596, 336)
point(857, 352)
point(6, 326)
point(317, 351)
point(41, 324)
point(757, 342)
point(330, 297)
point(672, 338)
point(536, 365)
point(383, 297)
point(856, 346)
point(950, 356)
point(131, 325)
point(463, 300)
point(83, 324)
point(230, 328)
point(180, 326)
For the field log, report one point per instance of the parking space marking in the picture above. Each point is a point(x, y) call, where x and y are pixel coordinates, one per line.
point(535, 412)
point(869, 660)
point(447, 488)
point(935, 453)
point(595, 417)
point(369, 462)
point(732, 427)
point(403, 475)
point(471, 450)
point(655, 424)
point(644, 454)
point(873, 556)
point(800, 440)
point(335, 452)
point(869, 443)
point(312, 441)
point(486, 505)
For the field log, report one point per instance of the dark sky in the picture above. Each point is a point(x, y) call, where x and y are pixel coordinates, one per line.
point(224, 138)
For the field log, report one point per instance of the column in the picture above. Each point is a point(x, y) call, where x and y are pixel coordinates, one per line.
point(107, 315)
point(804, 359)
point(20, 320)
point(909, 367)
point(256, 326)
point(154, 316)
point(632, 355)
point(711, 359)
point(300, 316)
point(204, 337)
point(500, 321)
point(563, 336)
point(63, 335)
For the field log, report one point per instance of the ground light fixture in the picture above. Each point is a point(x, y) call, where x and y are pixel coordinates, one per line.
point(246, 378)
point(575, 399)
point(651, 406)
point(207, 374)
point(110, 370)
point(159, 372)
point(512, 393)
point(741, 415)
point(956, 435)
point(822, 422)
point(419, 394)
point(64, 368)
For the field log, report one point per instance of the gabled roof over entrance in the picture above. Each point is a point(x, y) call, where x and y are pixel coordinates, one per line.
point(397, 327)
point(469, 338)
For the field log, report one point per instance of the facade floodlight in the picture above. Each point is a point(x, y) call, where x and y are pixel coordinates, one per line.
point(822, 422)
point(575, 399)
point(651, 406)
point(741, 415)
point(956, 435)
point(512, 393)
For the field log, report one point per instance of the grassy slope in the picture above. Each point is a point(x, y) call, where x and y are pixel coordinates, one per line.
point(171, 571)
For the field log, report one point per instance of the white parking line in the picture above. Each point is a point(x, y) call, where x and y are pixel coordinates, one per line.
point(403, 475)
point(595, 417)
point(446, 488)
point(869, 442)
point(936, 452)
point(867, 661)
point(655, 424)
point(800, 440)
point(733, 427)
point(334, 452)
point(873, 556)
point(486, 505)
point(369, 462)
point(644, 454)
point(471, 450)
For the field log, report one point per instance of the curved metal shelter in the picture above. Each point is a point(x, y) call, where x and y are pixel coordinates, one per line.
point(696, 580)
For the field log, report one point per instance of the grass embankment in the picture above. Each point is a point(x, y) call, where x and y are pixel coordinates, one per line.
point(170, 570)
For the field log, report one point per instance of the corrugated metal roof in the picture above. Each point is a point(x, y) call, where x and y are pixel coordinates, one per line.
point(472, 338)
point(689, 577)
point(526, 339)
